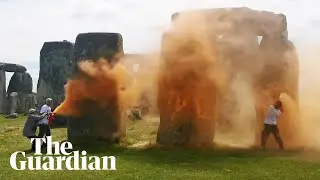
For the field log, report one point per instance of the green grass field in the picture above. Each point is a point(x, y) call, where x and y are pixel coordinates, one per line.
point(159, 163)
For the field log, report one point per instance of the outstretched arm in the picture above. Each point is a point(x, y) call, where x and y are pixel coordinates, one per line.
point(38, 117)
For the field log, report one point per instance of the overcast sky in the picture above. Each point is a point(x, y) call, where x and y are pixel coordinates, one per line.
point(26, 24)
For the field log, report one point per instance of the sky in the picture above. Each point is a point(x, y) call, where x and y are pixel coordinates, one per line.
point(26, 24)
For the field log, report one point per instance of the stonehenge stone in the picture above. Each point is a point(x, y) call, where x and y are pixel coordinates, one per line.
point(20, 83)
point(13, 102)
point(241, 18)
point(3, 93)
point(18, 91)
point(27, 101)
point(20, 102)
point(96, 123)
point(92, 46)
point(186, 97)
point(55, 66)
point(8, 67)
point(251, 60)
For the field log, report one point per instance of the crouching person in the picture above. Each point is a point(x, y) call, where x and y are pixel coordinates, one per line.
point(30, 126)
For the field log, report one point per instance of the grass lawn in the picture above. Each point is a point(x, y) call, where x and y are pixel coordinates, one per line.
point(159, 163)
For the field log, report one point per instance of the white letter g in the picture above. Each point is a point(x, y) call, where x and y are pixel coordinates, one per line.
point(13, 161)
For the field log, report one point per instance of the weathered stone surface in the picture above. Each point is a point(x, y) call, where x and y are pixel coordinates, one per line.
point(13, 102)
point(186, 95)
point(20, 102)
point(97, 123)
point(8, 67)
point(266, 66)
point(20, 83)
point(258, 22)
point(55, 66)
point(20, 98)
point(3, 93)
point(26, 102)
point(186, 126)
point(96, 45)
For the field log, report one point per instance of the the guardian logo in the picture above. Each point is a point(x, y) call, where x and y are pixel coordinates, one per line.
point(60, 159)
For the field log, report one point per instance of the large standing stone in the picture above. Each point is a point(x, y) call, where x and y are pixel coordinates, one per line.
point(27, 101)
point(96, 123)
point(21, 83)
point(186, 95)
point(55, 63)
point(3, 93)
point(20, 97)
point(228, 26)
point(13, 102)
point(96, 45)
point(20, 102)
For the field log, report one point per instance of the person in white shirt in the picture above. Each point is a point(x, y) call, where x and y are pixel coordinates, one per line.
point(270, 125)
point(44, 128)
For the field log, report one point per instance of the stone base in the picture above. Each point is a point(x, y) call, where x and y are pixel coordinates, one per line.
point(81, 131)
point(100, 125)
